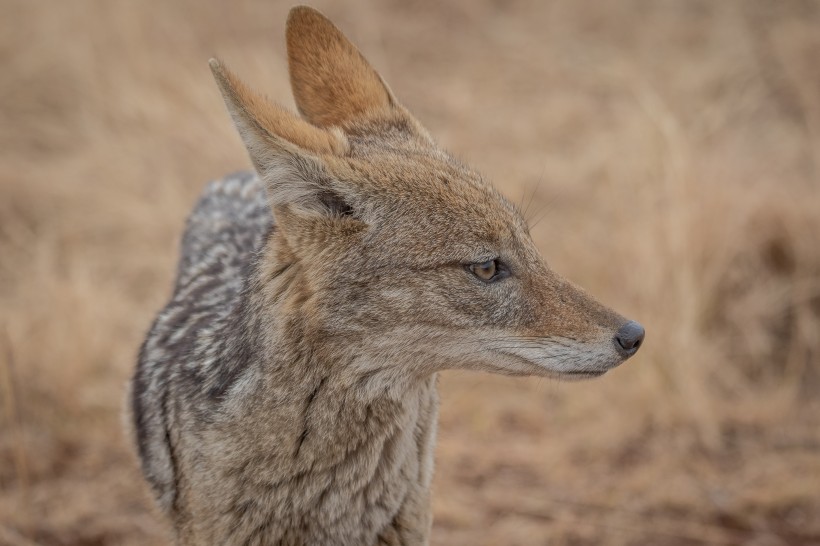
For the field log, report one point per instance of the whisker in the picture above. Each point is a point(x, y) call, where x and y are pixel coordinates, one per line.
point(534, 191)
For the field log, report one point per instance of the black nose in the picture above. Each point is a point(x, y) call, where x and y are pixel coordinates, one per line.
point(629, 338)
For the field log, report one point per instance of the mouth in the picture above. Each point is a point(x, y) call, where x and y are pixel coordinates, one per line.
point(583, 364)
point(581, 375)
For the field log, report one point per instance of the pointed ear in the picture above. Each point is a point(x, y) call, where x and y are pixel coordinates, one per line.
point(263, 124)
point(285, 150)
point(332, 82)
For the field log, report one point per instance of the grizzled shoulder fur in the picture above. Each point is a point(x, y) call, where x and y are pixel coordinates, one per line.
point(185, 347)
point(227, 224)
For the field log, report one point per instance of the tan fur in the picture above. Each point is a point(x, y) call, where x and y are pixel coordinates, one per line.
point(287, 393)
point(331, 80)
point(272, 121)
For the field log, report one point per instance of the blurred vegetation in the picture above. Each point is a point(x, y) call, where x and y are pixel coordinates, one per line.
point(668, 154)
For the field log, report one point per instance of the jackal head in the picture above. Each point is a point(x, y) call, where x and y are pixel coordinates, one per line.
point(404, 259)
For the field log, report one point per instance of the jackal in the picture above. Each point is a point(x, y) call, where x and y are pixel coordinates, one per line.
point(287, 392)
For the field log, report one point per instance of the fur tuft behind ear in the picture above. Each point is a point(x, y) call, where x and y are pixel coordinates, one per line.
point(302, 184)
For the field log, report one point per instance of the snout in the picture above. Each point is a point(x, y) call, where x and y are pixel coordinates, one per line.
point(629, 338)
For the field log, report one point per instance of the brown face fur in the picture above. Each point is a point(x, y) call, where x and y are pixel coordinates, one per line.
point(383, 226)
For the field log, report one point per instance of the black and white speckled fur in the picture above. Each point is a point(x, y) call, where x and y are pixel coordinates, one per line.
point(203, 386)
point(185, 343)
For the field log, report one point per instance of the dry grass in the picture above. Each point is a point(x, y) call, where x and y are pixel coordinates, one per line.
point(671, 148)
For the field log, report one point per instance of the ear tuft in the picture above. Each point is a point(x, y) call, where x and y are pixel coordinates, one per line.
point(332, 82)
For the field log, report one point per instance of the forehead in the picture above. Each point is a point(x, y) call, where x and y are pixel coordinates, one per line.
point(441, 208)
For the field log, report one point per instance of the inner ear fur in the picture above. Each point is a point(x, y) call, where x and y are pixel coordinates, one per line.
point(332, 82)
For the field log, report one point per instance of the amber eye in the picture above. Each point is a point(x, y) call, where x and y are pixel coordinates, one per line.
point(486, 271)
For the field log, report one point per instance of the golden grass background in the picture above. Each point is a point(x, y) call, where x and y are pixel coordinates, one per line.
point(671, 154)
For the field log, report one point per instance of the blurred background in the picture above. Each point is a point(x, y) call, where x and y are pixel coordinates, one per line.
point(667, 153)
